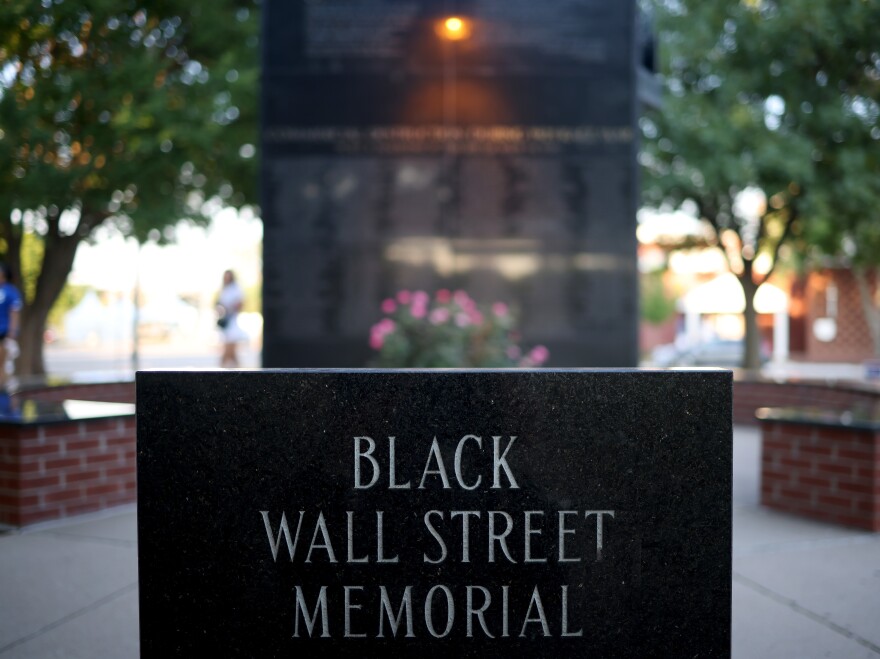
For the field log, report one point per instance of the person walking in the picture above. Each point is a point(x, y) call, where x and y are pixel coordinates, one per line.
point(229, 304)
point(10, 317)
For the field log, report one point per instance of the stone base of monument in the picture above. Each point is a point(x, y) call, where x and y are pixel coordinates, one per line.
point(479, 513)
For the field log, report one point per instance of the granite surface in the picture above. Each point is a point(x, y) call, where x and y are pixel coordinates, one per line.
point(514, 513)
point(503, 164)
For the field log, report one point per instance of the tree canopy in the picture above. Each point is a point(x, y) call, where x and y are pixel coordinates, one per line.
point(770, 126)
point(119, 112)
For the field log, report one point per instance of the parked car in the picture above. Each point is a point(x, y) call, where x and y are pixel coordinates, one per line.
point(726, 353)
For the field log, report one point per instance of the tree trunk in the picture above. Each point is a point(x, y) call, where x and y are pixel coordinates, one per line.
point(752, 354)
point(869, 309)
point(30, 359)
point(56, 266)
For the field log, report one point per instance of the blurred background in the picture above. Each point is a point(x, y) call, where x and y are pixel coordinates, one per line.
point(129, 161)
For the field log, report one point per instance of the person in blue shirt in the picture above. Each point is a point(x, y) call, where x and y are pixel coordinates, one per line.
point(10, 313)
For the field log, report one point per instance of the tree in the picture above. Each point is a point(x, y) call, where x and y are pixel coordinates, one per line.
point(846, 226)
point(769, 125)
point(836, 108)
point(135, 114)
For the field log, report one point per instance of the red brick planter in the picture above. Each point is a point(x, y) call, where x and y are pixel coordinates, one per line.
point(52, 468)
point(822, 465)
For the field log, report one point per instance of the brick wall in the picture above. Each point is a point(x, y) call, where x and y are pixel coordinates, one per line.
point(53, 471)
point(828, 473)
point(853, 340)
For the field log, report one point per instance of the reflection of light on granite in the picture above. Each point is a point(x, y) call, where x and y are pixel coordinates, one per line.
point(89, 409)
point(423, 251)
point(600, 262)
point(513, 259)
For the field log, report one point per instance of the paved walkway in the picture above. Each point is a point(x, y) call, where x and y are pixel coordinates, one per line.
point(800, 588)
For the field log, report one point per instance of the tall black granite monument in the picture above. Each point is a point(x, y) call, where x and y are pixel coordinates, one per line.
point(494, 152)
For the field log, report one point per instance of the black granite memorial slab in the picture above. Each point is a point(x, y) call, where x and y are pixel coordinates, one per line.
point(434, 513)
point(501, 161)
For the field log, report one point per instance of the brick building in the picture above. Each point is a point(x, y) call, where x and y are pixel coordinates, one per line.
point(828, 322)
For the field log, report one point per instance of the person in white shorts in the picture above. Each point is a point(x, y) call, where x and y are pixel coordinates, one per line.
point(229, 304)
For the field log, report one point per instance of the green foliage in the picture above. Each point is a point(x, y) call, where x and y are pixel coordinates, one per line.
point(781, 96)
point(657, 305)
point(776, 96)
point(139, 113)
point(135, 114)
point(447, 332)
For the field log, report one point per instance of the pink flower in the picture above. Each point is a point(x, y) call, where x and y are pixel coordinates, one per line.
point(404, 297)
point(418, 310)
point(462, 298)
point(389, 305)
point(379, 331)
point(538, 355)
point(443, 296)
point(439, 316)
point(462, 319)
point(476, 316)
point(467, 304)
point(377, 337)
point(500, 309)
point(420, 297)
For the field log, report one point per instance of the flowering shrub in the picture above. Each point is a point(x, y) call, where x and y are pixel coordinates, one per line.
point(450, 330)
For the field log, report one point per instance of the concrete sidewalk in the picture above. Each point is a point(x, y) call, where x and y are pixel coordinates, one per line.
point(70, 589)
point(800, 588)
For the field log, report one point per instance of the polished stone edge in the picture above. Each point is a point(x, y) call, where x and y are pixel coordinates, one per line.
point(856, 419)
point(741, 375)
point(704, 370)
